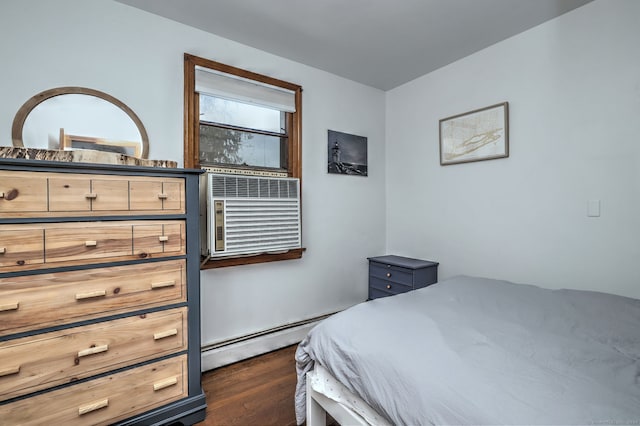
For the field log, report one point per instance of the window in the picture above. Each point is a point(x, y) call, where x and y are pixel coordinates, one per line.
point(238, 135)
point(240, 121)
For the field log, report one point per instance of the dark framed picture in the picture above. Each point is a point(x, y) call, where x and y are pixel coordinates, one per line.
point(482, 134)
point(347, 154)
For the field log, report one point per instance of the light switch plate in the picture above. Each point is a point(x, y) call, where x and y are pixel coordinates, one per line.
point(593, 208)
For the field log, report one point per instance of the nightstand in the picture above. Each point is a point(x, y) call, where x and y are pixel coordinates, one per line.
point(389, 275)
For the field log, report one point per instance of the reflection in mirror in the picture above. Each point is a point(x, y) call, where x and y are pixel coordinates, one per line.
point(79, 118)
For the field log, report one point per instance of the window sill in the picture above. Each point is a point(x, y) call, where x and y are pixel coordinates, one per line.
point(248, 260)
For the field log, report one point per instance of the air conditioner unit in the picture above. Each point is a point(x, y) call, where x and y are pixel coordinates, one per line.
point(252, 215)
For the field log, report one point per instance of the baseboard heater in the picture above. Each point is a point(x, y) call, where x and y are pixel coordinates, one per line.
point(240, 339)
point(240, 348)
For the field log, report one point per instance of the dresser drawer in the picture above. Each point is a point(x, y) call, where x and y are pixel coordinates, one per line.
point(75, 243)
point(164, 195)
point(83, 194)
point(87, 242)
point(39, 194)
point(388, 286)
point(39, 362)
point(82, 242)
point(165, 238)
point(105, 400)
point(392, 273)
point(21, 192)
point(37, 301)
point(21, 247)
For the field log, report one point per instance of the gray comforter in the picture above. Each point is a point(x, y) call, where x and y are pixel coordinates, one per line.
point(479, 351)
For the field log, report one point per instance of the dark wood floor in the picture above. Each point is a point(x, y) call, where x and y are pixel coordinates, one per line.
point(257, 391)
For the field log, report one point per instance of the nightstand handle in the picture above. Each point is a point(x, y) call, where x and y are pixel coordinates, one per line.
point(163, 196)
point(163, 238)
point(91, 196)
point(3, 250)
point(90, 243)
point(1, 194)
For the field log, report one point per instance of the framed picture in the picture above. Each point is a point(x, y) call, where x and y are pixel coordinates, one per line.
point(347, 154)
point(70, 142)
point(482, 134)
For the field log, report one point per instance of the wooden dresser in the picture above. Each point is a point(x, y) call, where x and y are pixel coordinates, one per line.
point(99, 295)
point(389, 275)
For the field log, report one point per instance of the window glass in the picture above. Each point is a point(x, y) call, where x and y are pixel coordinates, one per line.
point(222, 146)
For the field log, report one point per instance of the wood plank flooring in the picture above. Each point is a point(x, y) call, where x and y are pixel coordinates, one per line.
point(258, 391)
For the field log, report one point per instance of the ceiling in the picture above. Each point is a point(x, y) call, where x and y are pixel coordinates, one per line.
point(380, 43)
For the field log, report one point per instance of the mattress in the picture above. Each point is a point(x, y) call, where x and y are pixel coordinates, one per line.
point(478, 351)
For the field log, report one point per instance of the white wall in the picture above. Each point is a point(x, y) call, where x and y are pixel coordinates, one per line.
point(138, 58)
point(573, 87)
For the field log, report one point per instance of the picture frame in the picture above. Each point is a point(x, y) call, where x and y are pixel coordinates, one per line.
point(478, 135)
point(346, 154)
point(73, 142)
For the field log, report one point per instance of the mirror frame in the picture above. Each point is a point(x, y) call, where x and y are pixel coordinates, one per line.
point(23, 112)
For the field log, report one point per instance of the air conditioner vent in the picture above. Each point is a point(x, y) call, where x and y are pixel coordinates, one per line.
point(252, 215)
point(226, 186)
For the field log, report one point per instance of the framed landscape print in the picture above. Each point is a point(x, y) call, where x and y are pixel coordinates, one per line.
point(482, 134)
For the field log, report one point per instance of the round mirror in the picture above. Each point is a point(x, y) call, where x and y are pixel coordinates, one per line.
point(71, 118)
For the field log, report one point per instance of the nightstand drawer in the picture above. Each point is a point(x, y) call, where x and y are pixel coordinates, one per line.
point(43, 361)
point(105, 400)
point(34, 301)
point(396, 274)
point(391, 273)
point(388, 286)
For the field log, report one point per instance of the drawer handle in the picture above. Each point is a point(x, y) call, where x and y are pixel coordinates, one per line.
point(388, 274)
point(3, 250)
point(90, 243)
point(13, 306)
point(163, 284)
point(92, 351)
point(166, 333)
point(91, 196)
point(9, 371)
point(388, 286)
point(93, 406)
point(163, 238)
point(163, 196)
point(1, 194)
point(172, 381)
point(91, 294)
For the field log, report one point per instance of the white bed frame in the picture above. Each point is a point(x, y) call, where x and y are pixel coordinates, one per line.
point(319, 405)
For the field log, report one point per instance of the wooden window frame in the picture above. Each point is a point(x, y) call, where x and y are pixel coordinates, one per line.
point(192, 142)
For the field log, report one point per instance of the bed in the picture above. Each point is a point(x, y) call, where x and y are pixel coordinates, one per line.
point(475, 351)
